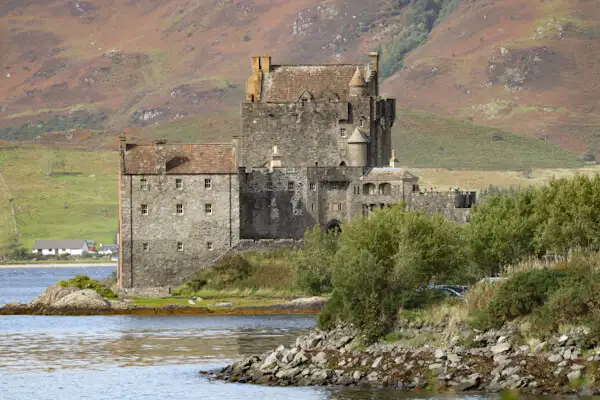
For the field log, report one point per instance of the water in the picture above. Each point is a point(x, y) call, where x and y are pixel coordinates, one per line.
point(138, 357)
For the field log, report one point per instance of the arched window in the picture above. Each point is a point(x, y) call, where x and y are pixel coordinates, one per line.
point(343, 164)
point(385, 189)
point(369, 189)
point(334, 226)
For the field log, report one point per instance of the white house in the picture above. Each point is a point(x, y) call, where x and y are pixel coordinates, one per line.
point(108, 249)
point(56, 247)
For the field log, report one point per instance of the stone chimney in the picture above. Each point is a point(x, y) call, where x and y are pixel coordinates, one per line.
point(122, 142)
point(275, 159)
point(161, 161)
point(394, 163)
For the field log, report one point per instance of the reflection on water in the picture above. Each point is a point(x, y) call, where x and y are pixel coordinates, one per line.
point(139, 357)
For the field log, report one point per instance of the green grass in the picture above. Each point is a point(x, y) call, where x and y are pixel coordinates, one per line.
point(77, 201)
point(423, 139)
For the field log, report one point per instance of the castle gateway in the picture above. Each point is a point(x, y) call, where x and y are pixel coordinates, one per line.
point(314, 149)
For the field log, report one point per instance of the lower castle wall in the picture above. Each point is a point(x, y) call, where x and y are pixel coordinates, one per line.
point(452, 205)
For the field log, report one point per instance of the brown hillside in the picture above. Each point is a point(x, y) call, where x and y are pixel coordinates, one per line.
point(531, 67)
point(175, 68)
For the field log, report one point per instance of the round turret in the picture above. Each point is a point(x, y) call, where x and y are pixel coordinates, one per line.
point(357, 149)
point(357, 85)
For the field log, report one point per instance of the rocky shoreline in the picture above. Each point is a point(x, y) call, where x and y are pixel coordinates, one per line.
point(428, 358)
point(60, 300)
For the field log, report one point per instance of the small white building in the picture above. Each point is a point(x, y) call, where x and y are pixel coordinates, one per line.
point(57, 247)
point(108, 249)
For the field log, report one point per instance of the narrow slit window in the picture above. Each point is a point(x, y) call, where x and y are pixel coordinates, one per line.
point(178, 183)
point(208, 208)
point(145, 246)
point(179, 209)
point(209, 246)
point(313, 186)
point(144, 209)
point(291, 186)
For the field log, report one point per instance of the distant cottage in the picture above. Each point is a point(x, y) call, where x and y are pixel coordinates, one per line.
point(59, 247)
point(314, 149)
point(108, 249)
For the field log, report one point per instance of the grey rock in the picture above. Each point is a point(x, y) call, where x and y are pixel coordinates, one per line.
point(500, 348)
point(270, 361)
point(472, 382)
point(224, 304)
point(555, 358)
point(574, 375)
point(356, 375)
point(53, 294)
point(436, 367)
point(440, 354)
point(320, 376)
point(287, 373)
point(511, 371)
point(320, 358)
point(453, 358)
point(399, 360)
point(373, 376)
point(86, 298)
point(377, 362)
point(563, 340)
point(577, 367)
point(299, 358)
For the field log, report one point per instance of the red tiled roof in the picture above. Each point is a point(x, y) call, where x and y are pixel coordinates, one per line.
point(180, 159)
point(287, 82)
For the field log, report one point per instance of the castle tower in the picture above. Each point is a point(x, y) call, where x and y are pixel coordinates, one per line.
point(358, 86)
point(357, 149)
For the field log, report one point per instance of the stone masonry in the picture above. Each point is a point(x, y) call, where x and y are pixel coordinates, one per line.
point(314, 149)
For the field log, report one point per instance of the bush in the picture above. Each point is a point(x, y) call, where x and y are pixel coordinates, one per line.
point(229, 269)
point(313, 263)
point(85, 282)
point(382, 257)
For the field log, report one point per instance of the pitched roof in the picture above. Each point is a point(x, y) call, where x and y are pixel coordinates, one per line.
point(59, 244)
point(180, 159)
point(106, 247)
point(285, 83)
point(357, 137)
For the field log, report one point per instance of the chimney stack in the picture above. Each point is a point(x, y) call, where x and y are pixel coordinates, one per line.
point(394, 163)
point(275, 159)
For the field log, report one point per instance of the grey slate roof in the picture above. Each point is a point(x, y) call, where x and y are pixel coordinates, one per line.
point(357, 137)
point(106, 247)
point(59, 244)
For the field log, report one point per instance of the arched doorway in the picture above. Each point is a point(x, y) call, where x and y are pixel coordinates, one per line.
point(343, 164)
point(334, 226)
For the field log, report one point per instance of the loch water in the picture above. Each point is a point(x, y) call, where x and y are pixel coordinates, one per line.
point(141, 357)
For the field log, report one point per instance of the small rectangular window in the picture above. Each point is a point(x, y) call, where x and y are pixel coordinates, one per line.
point(207, 183)
point(179, 246)
point(343, 132)
point(333, 185)
point(144, 209)
point(179, 209)
point(145, 246)
point(178, 183)
point(209, 246)
point(143, 183)
point(270, 186)
point(208, 208)
point(304, 102)
point(291, 186)
point(313, 186)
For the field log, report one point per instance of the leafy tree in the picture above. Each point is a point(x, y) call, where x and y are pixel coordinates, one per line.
point(313, 263)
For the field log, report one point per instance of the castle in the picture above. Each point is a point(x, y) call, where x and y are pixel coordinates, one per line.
point(314, 149)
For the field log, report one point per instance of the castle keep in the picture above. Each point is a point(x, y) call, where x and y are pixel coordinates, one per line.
point(314, 149)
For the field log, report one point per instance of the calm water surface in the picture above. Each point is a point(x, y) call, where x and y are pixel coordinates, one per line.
point(135, 357)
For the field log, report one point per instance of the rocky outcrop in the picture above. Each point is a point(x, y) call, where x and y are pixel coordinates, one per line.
point(86, 298)
point(461, 361)
point(52, 295)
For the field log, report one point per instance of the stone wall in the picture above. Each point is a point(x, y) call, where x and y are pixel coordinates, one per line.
point(151, 253)
point(452, 205)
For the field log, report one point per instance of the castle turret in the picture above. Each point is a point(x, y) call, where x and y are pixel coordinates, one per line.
point(357, 149)
point(358, 86)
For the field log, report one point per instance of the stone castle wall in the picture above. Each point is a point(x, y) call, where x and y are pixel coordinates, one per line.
point(151, 256)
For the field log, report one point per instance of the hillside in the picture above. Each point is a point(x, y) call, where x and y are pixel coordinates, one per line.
point(530, 67)
point(75, 74)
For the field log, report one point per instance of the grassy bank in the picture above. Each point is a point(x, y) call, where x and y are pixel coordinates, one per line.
point(59, 194)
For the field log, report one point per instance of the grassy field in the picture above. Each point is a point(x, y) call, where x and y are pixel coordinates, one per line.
point(425, 140)
point(60, 194)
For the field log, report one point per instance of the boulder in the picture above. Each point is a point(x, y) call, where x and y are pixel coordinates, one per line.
point(83, 299)
point(287, 373)
point(52, 295)
point(500, 348)
point(574, 375)
point(320, 358)
point(299, 358)
point(270, 361)
point(377, 362)
point(555, 358)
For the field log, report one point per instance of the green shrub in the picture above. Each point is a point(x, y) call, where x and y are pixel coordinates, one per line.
point(313, 264)
point(85, 282)
point(382, 257)
point(422, 299)
point(229, 269)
